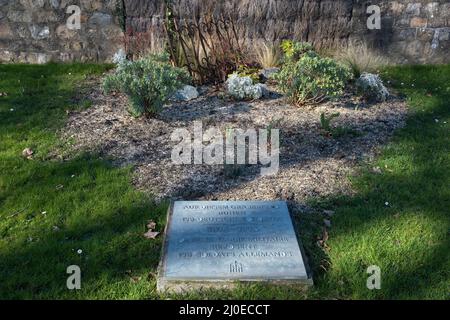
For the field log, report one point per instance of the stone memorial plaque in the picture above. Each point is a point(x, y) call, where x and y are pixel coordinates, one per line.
point(216, 244)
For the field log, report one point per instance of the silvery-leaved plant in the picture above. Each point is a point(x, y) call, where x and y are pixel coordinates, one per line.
point(148, 83)
point(371, 87)
point(242, 88)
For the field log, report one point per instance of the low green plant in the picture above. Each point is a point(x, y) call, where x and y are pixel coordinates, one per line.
point(148, 83)
point(325, 121)
point(336, 132)
point(232, 170)
point(310, 78)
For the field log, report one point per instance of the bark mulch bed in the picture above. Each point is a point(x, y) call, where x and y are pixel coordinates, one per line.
point(311, 164)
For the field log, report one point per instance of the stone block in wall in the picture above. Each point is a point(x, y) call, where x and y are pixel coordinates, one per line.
point(444, 34)
point(91, 5)
point(432, 9)
point(45, 16)
point(445, 10)
point(6, 31)
point(34, 57)
point(6, 56)
point(418, 22)
point(39, 32)
point(425, 34)
point(396, 7)
point(63, 33)
point(436, 22)
point(32, 4)
point(20, 16)
point(100, 20)
point(414, 8)
point(406, 34)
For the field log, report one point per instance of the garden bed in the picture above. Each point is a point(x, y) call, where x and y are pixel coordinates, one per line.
point(312, 164)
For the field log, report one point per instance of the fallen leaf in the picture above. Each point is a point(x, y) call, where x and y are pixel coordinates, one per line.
point(322, 242)
point(134, 279)
point(377, 170)
point(151, 225)
point(27, 153)
point(151, 234)
point(325, 235)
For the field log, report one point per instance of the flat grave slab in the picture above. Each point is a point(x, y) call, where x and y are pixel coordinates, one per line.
point(215, 244)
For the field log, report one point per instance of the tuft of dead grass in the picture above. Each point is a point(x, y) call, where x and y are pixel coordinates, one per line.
point(360, 58)
point(268, 55)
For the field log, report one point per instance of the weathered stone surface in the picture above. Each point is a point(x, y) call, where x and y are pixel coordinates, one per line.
point(411, 32)
point(39, 33)
point(324, 23)
point(35, 31)
point(64, 33)
point(100, 19)
point(6, 32)
point(418, 22)
point(187, 93)
point(266, 74)
point(215, 244)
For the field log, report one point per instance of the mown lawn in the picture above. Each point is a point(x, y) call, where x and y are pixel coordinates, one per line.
point(50, 209)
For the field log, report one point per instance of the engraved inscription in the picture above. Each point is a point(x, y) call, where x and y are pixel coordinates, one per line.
point(247, 239)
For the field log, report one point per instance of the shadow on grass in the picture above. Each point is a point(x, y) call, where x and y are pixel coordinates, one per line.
point(96, 212)
point(399, 220)
point(92, 207)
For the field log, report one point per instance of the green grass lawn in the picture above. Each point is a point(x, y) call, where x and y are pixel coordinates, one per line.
point(50, 209)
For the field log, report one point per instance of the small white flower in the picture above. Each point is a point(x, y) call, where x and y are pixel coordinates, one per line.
point(436, 120)
point(79, 251)
point(44, 212)
point(11, 109)
point(72, 176)
point(386, 204)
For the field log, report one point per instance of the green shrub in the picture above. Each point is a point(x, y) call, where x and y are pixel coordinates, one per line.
point(295, 50)
point(148, 83)
point(251, 72)
point(307, 77)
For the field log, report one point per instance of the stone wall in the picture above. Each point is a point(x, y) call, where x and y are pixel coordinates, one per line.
point(413, 31)
point(35, 31)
